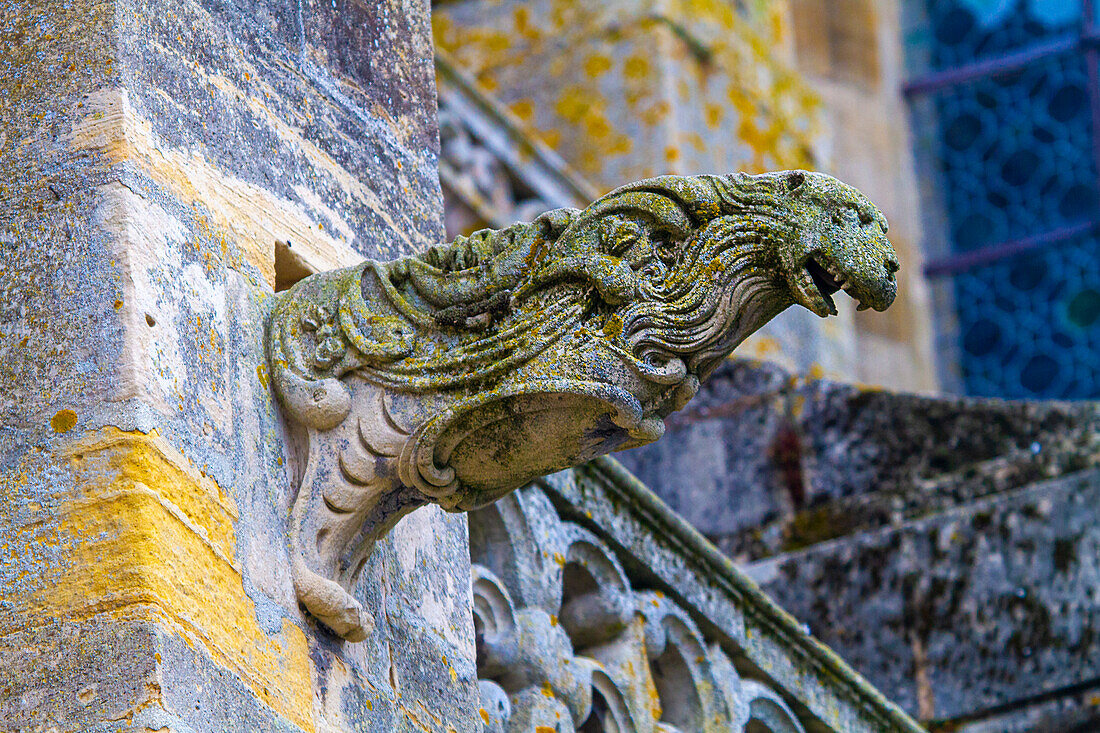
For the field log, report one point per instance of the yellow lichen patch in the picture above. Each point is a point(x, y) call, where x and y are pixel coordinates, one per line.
point(488, 82)
point(573, 104)
point(714, 114)
point(147, 536)
point(637, 67)
point(521, 19)
point(63, 421)
point(613, 329)
point(656, 113)
point(596, 64)
point(524, 109)
point(261, 374)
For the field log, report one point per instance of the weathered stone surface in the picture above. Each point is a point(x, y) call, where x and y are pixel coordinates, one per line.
point(628, 90)
point(713, 640)
point(52, 676)
point(156, 159)
point(988, 605)
point(763, 462)
point(152, 156)
point(492, 172)
point(938, 544)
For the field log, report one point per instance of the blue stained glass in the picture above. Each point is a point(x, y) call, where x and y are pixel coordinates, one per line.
point(965, 31)
point(1013, 155)
point(1047, 12)
point(1030, 325)
point(1014, 152)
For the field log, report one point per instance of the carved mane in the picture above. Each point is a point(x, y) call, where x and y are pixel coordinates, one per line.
point(469, 311)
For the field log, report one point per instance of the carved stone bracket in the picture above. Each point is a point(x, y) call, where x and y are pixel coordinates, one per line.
point(456, 376)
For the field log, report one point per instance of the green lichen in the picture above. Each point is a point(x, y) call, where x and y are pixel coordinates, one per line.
point(671, 269)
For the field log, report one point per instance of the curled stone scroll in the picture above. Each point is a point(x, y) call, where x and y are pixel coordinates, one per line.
point(456, 376)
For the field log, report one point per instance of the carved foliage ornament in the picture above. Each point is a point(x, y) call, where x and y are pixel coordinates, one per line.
point(458, 375)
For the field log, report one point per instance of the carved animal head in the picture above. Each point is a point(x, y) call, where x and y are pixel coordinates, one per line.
point(687, 268)
point(841, 245)
point(622, 307)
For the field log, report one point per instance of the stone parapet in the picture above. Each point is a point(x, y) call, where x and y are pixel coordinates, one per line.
point(763, 462)
point(977, 617)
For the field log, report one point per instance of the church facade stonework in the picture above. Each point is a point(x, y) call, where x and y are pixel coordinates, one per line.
point(204, 525)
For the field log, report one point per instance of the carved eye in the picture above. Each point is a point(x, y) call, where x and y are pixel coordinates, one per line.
point(847, 215)
point(626, 237)
point(795, 179)
point(620, 235)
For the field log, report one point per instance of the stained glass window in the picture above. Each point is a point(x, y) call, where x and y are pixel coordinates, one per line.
point(1004, 98)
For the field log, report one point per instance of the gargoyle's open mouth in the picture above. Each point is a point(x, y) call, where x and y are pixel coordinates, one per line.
point(819, 280)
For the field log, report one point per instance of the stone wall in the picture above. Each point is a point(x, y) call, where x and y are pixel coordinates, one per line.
point(942, 546)
point(850, 53)
point(155, 158)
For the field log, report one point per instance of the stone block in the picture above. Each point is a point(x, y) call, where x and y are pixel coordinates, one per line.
point(976, 610)
point(154, 156)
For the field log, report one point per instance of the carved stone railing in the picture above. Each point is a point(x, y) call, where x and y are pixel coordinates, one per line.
point(597, 609)
point(455, 376)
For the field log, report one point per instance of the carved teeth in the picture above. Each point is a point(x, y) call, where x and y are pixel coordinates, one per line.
point(809, 287)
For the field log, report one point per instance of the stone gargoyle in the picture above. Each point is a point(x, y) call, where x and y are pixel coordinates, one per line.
point(460, 374)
